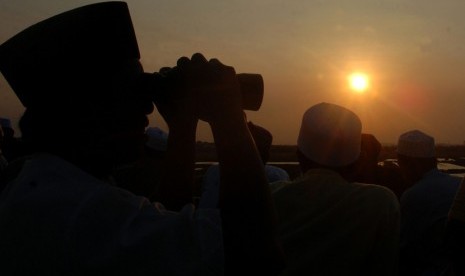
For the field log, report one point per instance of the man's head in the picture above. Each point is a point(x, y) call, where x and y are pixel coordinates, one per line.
point(416, 155)
point(76, 73)
point(330, 136)
point(370, 149)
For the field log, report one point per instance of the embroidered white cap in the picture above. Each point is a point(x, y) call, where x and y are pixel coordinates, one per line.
point(417, 144)
point(330, 135)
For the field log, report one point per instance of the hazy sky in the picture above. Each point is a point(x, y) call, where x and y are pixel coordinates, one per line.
point(412, 50)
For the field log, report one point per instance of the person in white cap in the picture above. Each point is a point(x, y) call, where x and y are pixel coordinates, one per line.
point(328, 224)
point(424, 205)
point(60, 213)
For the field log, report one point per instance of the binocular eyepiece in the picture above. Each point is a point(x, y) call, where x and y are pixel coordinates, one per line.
point(251, 86)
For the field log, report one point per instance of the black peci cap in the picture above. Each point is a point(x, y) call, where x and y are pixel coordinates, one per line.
point(94, 37)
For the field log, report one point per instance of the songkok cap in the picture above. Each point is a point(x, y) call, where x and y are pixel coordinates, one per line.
point(330, 135)
point(41, 60)
point(157, 139)
point(5, 123)
point(416, 144)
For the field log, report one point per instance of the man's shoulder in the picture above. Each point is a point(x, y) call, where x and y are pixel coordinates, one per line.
point(434, 182)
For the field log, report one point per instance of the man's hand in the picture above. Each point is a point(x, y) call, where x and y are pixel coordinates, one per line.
point(199, 89)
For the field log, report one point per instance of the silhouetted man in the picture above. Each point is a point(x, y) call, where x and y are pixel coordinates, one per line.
point(328, 224)
point(60, 214)
point(424, 205)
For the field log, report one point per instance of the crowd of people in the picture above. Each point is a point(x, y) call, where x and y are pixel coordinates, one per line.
point(97, 191)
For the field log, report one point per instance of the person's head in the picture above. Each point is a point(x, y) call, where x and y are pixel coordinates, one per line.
point(330, 137)
point(263, 140)
point(370, 147)
point(76, 73)
point(369, 153)
point(415, 155)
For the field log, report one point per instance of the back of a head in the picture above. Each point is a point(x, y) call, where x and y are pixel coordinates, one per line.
point(330, 135)
point(263, 140)
point(370, 146)
point(416, 153)
point(416, 144)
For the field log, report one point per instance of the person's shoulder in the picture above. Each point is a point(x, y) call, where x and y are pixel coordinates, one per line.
point(435, 182)
point(47, 171)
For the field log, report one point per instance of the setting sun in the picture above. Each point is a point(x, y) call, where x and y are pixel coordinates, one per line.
point(359, 82)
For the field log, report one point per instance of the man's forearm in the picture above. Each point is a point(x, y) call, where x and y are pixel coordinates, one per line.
point(245, 201)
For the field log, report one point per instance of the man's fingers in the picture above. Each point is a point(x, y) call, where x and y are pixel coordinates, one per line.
point(164, 70)
point(216, 62)
point(182, 61)
point(198, 58)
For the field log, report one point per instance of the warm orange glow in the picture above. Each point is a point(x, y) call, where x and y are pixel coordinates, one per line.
point(359, 82)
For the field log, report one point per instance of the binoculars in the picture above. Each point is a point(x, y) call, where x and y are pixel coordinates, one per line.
point(251, 86)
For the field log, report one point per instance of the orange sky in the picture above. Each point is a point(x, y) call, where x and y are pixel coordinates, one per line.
point(413, 51)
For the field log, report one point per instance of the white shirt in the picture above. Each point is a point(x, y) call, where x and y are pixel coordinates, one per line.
point(57, 219)
point(328, 226)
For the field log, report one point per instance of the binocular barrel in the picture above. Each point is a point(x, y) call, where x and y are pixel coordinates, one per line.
point(252, 90)
point(251, 86)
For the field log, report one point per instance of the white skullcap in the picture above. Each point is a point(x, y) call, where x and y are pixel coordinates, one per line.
point(157, 139)
point(416, 144)
point(330, 135)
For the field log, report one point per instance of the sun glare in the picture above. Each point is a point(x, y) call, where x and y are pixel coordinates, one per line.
point(359, 82)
